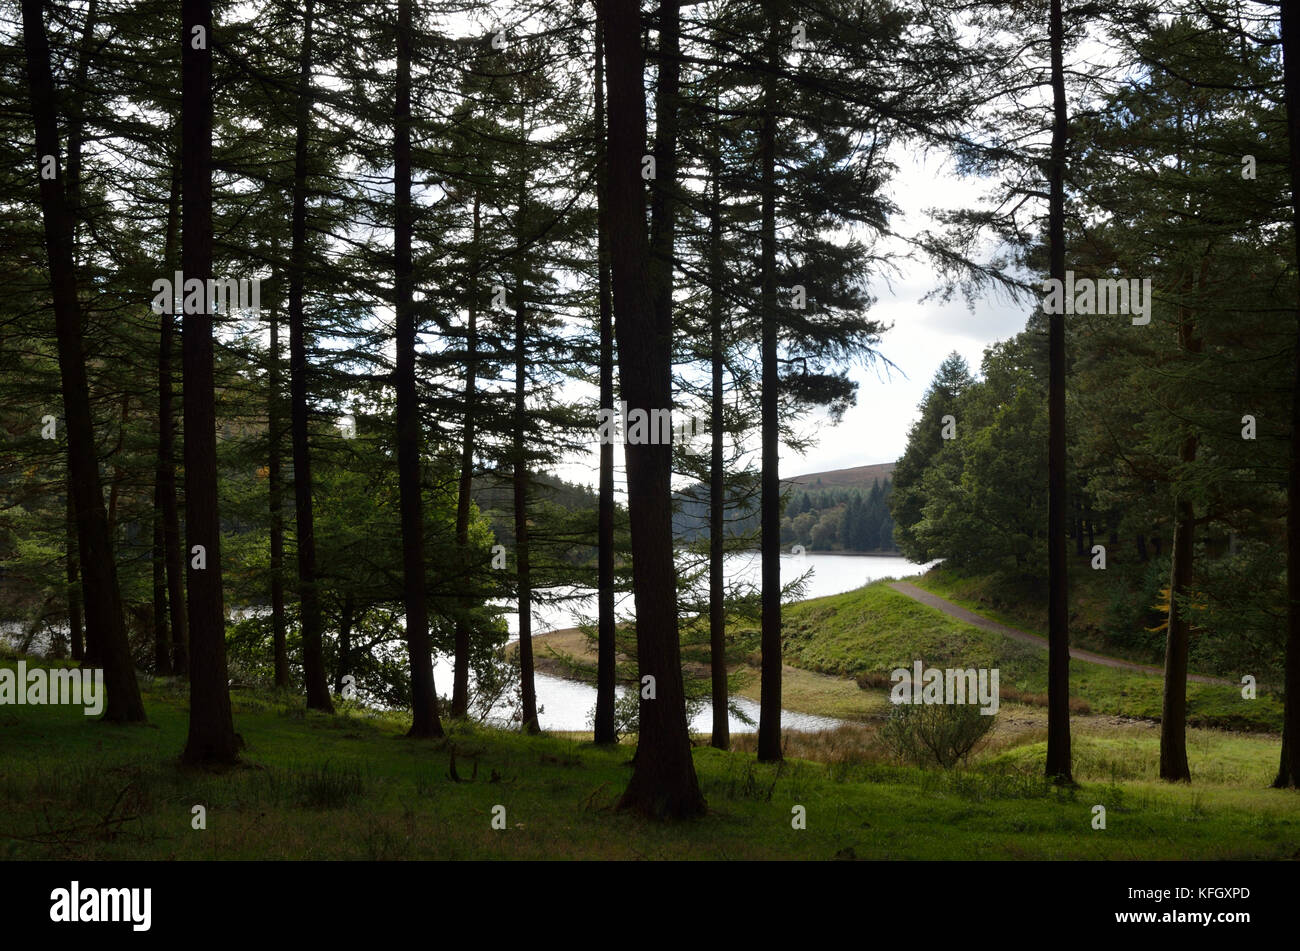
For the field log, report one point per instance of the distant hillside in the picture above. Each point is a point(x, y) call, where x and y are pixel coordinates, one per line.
point(840, 510)
point(857, 477)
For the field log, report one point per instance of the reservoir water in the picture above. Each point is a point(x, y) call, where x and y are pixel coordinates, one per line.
point(568, 704)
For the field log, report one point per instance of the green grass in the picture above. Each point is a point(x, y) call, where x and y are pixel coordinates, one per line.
point(351, 786)
point(872, 630)
point(1017, 603)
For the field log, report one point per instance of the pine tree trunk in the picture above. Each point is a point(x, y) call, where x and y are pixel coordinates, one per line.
point(1173, 713)
point(211, 732)
point(313, 660)
point(105, 629)
point(1059, 759)
point(74, 584)
point(164, 469)
point(115, 485)
point(460, 675)
point(162, 655)
point(76, 124)
point(523, 569)
point(606, 688)
point(721, 738)
point(1173, 716)
point(275, 490)
point(74, 210)
point(166, 472)
point(424, 699)
point(1288, 773)
point(769, 716)
point(663, 781)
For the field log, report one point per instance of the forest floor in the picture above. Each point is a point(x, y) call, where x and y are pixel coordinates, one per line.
point(314, 786)
point(351, 785)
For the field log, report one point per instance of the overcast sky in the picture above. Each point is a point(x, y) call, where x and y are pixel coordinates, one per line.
point(875, 430)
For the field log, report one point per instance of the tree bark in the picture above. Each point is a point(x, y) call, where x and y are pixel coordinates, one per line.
point(162, 655)
point(769, 716)
point(75, 212)
point(721, 737)
point(76, 124)
point(424, 699)
point(211, 731)
point(460, 674)
point(313, 660)
point(523, 569)
point(605, 730)
point(1288, 773)
point(115, 485)
point(663, 781)
point(1173, 713)
point(106, 631)
point(1173, 716)
point(1059, 759)
point(74, 585)
point(165, 476)
point(275, 491)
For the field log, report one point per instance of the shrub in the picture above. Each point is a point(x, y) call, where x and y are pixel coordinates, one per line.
point(938, 732)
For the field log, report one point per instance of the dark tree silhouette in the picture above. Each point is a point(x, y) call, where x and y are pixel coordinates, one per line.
point(424, 701)
point(769, 716)
point(105, 630)
point(212, 736)
point(1058, 632)
point(604, 729)
point(313, 663)
point(663, 781)
point(1288, 773)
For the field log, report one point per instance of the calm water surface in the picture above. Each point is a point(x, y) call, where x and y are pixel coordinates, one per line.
point(568, 704)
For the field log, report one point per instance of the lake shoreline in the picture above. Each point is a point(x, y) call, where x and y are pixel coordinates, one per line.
point(567, 655)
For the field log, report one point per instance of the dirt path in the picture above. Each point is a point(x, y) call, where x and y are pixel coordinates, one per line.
point(970, 617)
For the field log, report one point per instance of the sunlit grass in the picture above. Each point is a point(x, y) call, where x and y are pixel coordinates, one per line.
point(351, 786)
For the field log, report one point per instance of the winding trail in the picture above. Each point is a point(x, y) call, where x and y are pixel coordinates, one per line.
point(970, 617)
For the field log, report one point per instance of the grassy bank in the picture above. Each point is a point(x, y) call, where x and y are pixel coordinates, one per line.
point(870, 631)
point(351, 786)
point(864, 634)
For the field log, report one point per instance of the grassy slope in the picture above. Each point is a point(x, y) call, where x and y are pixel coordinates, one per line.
point(1016, 605)
point(872, 630)
point(351, 786)
point(875, 629)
